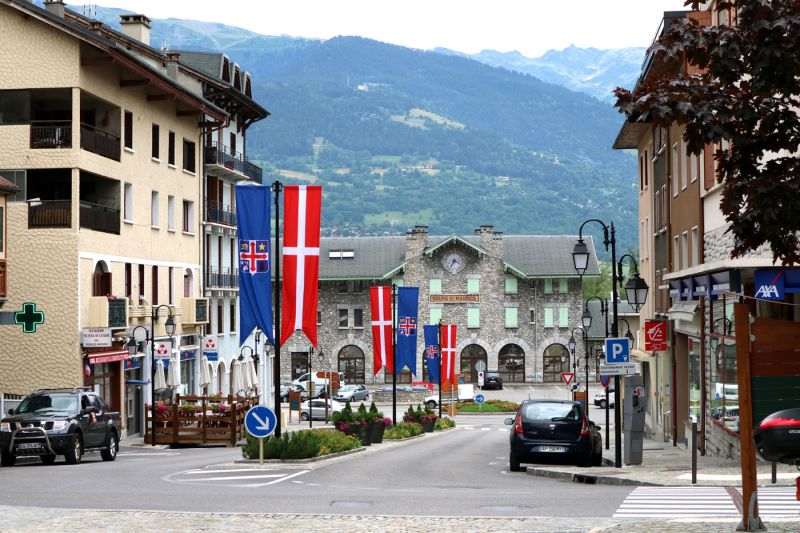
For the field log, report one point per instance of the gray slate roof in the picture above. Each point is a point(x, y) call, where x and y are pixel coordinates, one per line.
point(374, 257)
point(209, 63)
point(598, 328)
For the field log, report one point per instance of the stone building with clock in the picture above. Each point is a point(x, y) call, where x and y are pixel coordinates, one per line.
point(514, 298)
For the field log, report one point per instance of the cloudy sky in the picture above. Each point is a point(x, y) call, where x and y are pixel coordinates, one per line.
point(529, 26)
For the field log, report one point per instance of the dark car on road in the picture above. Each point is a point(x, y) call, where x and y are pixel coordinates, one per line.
point(552, 430)
point(66, 422)
point(492, 380)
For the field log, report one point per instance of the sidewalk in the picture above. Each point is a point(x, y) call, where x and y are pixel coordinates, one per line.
point(666, 465)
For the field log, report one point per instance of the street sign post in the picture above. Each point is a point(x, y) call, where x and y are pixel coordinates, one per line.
point(605, 380)
point(479, 399)
point(567, 377)
point(618, 350)
point(260, 421)
point(619, 369)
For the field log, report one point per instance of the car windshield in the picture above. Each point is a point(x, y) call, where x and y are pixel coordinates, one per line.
point(550, 411)
point(49, 403)
point(347, 388)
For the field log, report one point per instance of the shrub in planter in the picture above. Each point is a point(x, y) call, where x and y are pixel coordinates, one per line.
point(403, 431)
point(444, 423)
point(346, 416)
point(302, 444)
point(411, 416)
point(428, 422)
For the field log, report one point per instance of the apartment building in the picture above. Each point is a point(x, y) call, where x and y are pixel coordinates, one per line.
point(102, 138)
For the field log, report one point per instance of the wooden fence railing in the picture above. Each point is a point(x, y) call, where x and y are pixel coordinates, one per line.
point(200, 420)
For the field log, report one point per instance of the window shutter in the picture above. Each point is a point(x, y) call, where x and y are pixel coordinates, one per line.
point(708, 160)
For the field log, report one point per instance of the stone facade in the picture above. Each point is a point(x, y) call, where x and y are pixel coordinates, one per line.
point(717, 246)
point(482, 264)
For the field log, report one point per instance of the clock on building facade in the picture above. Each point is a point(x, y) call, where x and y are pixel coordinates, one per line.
point(453, 263)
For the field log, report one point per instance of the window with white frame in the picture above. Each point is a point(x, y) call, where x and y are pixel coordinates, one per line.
point(694, 169)
point(695, 247)
point(188, 216)
point(154, 209)
point(685, 250)
point(675, 169)
point(675, 253)
point(343, 318)
point(128, 199)
point(684, 162)
point(171, 213)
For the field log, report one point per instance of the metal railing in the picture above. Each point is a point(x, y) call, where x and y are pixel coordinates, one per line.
point(51, 134)
point(49, 213)
point(227, 278)
point(99, 217)
point(219, 154)
point(100, 142)
point(219, 213)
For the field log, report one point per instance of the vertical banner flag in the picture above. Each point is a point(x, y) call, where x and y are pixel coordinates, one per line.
point(432, 351)
point(407, 303)
point(302, 209)
point(380, 300)
point(449, 353)
point(255, 278)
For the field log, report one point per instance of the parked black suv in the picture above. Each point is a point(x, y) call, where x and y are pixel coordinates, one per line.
point(492, 380)
point(66, 422)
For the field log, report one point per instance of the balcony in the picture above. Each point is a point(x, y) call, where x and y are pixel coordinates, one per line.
point(3, 277)
point(49, 214)
point(51, 134)
point(217, 213)
point(99, 218)
point(221, 278)
point(107, 312)
point(100, 142)
point(231, 165)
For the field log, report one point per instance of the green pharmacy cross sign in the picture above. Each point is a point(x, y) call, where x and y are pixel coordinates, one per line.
point(29, 317)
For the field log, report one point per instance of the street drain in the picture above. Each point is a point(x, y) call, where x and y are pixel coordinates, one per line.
point(351, 505)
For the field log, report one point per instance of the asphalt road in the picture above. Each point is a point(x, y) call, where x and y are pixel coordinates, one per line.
point(463, 472)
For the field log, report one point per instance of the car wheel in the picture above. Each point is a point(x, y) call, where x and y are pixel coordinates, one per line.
point(597, 459)
point(366, 397)
point(304, 417)
point(513, 463)
point(602, 404)
point(74, 452)
point(112, 447)
point(430, 404)
point(7, 458)
point(586, 460)
point(501, 387)
point(48, 459)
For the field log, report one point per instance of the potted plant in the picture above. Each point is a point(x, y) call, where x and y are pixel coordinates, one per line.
point(428, 422)
point(362, 421)
point(411, 416)
point(379, 425)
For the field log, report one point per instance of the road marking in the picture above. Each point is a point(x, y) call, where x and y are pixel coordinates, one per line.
point(677, 502)
point(214, 471)
point(148, 453)
point(485, 429)
point(228, 478)
point(282, 479)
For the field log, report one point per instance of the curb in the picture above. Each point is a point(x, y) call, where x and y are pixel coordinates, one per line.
point(301, 461)
point(590, 479)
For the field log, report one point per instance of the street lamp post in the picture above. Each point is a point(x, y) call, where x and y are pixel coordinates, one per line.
point(150, 337)
point(572, 344)
point(636, 292)
point(255, 364)
point(327, 388)
point(587, 323)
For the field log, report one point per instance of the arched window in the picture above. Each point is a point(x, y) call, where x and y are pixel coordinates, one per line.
point(470, 356)
point(351, 364)
point(101, 280)
point(556, 361)
point(511, 363)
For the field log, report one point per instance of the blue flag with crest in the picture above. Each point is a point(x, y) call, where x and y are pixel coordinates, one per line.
point(255, 278)
point(407, 298)
point(432, 351)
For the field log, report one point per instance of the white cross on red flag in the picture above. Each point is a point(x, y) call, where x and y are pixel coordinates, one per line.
point(448, 342)
point(380, 299)
point(302, 210)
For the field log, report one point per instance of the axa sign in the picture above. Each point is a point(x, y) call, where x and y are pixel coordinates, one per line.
point(770, 284)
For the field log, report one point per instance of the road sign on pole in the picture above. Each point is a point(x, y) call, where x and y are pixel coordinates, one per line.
point(605, 380)
point(619, 369)
point(260, 421)
point(479, 399)
point(618, 350)
point(566, 377)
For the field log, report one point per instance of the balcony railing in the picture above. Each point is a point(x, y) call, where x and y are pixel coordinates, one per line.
point(99, 218)
point(49, 213)
point(219, 154)
point(3, 277)
point(225, 278)
point(100, 142)
point(51, 134)
point(220, 213)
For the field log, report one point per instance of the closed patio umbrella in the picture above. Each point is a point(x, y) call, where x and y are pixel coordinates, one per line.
point(246, 374)
point(174, 374)
point(237, 379)
point(159, 381)
point(251, 368)
point(205, 372)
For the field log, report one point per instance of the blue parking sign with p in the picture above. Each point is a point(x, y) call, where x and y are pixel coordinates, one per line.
point(618, 350)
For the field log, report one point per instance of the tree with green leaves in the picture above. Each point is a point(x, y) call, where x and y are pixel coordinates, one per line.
point(747, 93)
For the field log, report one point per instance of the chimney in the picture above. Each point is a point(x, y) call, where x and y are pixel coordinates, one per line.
point(172, 65)
point(416, 241)
point(136, 27)
point(491, 240)
point(56, 7)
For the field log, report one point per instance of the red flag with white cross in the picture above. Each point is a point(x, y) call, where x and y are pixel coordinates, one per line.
point(448, 342)
point(380, 300)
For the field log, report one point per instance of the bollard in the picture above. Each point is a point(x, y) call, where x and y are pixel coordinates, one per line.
point(694, 453)
point(797, 494)
point(774, 472)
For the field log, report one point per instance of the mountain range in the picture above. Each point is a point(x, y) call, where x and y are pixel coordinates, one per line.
point(399, 136)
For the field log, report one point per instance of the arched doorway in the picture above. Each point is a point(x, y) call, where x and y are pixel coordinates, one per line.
point(470, 356)
point(555, 361)
point(101, 280)
point(351, 364)
point(511, 363)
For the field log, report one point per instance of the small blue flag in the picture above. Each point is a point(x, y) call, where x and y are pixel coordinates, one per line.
point(255, 278)
point(432, 352)
point(407, 303)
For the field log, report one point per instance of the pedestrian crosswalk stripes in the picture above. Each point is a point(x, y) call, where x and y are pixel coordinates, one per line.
point(693, 502)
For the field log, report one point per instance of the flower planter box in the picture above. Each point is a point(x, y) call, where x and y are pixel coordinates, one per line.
point(428, 426)
point(377, 433)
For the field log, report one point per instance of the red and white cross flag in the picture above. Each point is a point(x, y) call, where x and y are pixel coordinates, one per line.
point(302, 209)
point(448, 342)
point(380, 300)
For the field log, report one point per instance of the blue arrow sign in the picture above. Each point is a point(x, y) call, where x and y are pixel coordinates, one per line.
point(479, 398)
point(260, 421)
point(618, 350)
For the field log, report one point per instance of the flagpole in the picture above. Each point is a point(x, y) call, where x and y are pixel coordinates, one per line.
point(276, 369)
point(439, 337)
point(394, 355)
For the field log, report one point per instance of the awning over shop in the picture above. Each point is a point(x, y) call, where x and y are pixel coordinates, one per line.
point(108, 356)
point(682, 311)
point(709, 285)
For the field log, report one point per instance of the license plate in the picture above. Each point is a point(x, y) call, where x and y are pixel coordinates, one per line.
point(29, 445)
point(552, 449)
